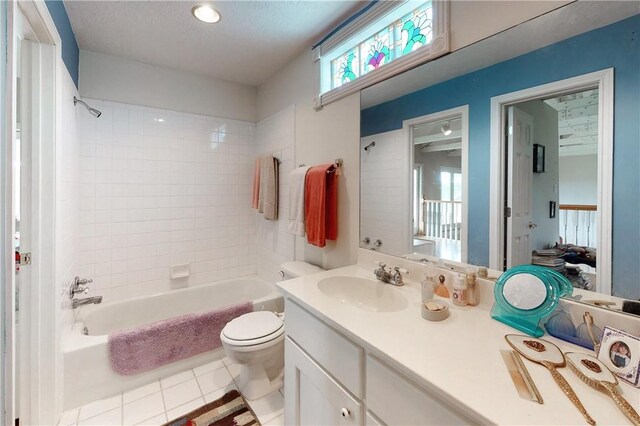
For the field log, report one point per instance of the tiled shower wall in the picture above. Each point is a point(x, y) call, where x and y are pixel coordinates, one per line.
point(274, 243)
point(162, 188)
point(383, 191)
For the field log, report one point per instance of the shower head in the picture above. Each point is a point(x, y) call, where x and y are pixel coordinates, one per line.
point(371, 145)
point(96, 113)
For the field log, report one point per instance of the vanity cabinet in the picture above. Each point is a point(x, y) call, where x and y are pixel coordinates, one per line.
point(313, 397)
point(325, 376)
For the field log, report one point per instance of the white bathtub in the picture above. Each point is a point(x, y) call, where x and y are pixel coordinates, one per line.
point(87, 370)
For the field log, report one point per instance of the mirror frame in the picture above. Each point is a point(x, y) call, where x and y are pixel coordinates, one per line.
point(604, 80)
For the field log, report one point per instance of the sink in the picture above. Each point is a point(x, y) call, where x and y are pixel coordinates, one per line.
point(368, 295)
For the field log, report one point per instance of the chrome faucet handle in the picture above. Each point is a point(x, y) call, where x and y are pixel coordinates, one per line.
point(396, 278)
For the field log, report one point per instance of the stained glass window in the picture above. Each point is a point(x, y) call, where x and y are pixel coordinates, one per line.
point(398, 38)
point(346, 68)
point(416, 29)
point(377, 50)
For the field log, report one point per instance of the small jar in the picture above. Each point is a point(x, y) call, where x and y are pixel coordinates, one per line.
point(459, 295)
point(426, 288)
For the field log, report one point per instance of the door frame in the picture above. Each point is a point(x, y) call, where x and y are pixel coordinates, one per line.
point(604, 80)
point(407, 126)
point(39, 344)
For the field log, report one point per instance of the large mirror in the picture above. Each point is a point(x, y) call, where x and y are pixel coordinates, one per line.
point(502, 153)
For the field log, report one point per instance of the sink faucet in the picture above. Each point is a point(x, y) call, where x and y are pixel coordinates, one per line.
point(393, 278)
point(382, 274)
point(87, 301)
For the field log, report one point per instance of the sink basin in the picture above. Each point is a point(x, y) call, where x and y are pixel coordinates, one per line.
point(365, 294)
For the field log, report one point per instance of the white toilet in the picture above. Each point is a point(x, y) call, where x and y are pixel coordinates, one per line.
point(256, 342)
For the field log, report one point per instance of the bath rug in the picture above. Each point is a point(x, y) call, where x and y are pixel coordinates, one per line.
point(230, 410)
point(136, 350)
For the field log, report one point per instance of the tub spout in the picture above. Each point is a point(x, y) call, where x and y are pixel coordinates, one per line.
point(87, 301)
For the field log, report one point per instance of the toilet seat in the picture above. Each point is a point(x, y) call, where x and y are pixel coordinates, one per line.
point(253, 329)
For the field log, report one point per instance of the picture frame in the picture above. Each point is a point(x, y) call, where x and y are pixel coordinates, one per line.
point(620, 351)
point(538, 158)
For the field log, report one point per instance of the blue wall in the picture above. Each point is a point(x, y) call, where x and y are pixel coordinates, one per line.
point(615, 46)
point(70, 51)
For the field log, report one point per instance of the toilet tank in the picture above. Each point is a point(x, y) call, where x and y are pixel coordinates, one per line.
point(297, 269)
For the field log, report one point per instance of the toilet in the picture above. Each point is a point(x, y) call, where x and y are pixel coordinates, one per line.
point(255, 341)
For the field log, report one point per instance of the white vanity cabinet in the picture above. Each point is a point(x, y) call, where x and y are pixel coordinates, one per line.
point(325, 376)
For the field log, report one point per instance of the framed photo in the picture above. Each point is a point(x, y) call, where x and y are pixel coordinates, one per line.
point(620, 352)
point(538, 158)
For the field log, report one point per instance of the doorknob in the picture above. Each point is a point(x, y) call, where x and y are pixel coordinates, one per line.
point(532, 225)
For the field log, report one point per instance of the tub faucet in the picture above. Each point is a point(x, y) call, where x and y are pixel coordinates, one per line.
point(87, 301)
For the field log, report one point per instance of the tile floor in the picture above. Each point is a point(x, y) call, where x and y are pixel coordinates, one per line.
point(168, 399)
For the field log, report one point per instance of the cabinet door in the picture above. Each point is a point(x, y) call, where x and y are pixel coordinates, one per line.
point(312, 397)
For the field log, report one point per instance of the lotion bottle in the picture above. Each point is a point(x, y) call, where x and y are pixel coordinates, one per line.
point(459, 296)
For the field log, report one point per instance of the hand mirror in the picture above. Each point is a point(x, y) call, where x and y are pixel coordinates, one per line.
point(526, 294)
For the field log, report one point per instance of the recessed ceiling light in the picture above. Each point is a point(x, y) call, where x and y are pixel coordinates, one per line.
point(206, 14)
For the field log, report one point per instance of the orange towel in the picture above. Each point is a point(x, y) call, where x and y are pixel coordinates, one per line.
point(321, 205)
point(256, 184)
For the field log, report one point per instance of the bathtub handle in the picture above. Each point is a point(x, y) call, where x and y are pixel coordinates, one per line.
point(282, 274)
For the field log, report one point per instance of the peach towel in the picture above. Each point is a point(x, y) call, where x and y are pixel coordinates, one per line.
point(321, 205)
point(256, 184)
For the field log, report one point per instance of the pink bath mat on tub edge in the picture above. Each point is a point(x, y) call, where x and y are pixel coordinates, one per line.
point(136, 350)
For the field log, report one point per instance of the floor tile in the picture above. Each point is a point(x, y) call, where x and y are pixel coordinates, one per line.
point(214, 380)
point(180, 394)
point(207, 368)
point(184, 409)
point(268, 407)
point(110, 418)
point(138, 393)
point(97, 407)
point(234, 370)
point(278, 421)
point(155, 421)
point(177, 378)
point(143, 408)
point(69, 417)
point(210, 397)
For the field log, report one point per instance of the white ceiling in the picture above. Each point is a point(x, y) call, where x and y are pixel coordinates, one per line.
point(253, 40)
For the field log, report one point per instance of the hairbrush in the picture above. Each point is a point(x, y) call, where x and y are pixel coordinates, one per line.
point(594, 373)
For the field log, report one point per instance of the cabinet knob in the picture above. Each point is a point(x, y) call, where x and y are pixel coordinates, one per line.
point(345, 412)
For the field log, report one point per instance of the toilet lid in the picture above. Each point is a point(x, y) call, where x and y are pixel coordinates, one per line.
point(252, 326)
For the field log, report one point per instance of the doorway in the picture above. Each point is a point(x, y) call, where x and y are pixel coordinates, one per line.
point(550, 205)
point(29, 239)
point(438, 152)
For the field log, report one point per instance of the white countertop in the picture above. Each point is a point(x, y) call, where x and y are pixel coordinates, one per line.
point(458, 359)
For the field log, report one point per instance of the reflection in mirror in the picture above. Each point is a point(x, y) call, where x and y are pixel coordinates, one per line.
point(437, 188)
point(568, 204)
point(413, 184)
point(552, 182)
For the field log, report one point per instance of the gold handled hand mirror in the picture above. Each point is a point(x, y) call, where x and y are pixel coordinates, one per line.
point(593, 372)
point(549, 355)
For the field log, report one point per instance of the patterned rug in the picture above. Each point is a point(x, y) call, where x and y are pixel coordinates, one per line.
point(230, 410)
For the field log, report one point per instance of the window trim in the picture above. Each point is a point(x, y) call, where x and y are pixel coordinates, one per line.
point(440, 45)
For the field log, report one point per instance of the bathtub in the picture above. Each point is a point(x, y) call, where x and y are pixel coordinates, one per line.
point(87, 370)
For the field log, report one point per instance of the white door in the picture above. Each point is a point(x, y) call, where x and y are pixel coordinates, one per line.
point(519, 174)
point(312, 397)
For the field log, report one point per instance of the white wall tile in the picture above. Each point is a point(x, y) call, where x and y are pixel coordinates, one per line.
point(155, 193)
